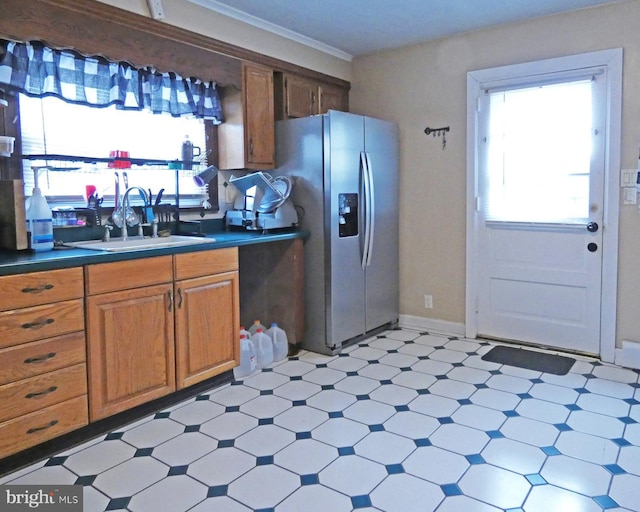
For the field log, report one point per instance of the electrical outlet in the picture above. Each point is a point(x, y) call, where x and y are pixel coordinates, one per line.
point(156, 9)
point(630, 195)
point(428, 301)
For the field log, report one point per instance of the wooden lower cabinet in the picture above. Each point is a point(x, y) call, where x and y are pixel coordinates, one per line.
point(207, 323)
point(145, 342)
point(130, 348)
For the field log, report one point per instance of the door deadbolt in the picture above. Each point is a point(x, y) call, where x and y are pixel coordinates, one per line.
point(592, 227)
point(592, 247)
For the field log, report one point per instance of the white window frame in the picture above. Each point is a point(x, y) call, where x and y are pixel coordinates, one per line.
point(476, 80)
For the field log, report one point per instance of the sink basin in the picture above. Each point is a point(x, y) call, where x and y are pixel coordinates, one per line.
point(137, 244)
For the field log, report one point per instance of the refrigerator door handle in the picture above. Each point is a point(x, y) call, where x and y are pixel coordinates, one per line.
point(371, 221)
point(366, 195)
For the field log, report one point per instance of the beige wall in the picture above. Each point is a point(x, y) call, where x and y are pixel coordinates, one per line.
point(184, 14)
point(425, 85)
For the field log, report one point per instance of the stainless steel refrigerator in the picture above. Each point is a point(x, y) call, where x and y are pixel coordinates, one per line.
point(346, 190)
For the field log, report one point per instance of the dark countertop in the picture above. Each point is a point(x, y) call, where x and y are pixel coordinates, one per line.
point(17, 262)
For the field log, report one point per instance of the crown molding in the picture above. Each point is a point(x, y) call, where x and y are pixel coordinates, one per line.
point(267, 26)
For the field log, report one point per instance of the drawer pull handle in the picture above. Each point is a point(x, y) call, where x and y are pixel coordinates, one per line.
point(38, 394)
point(179, 298)
point(38, 324)
point(37, 289)
point(44, 427)
point(39, 359)
point(170, 297)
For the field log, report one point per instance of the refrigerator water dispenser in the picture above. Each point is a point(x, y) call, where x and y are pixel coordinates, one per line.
point(347, 215)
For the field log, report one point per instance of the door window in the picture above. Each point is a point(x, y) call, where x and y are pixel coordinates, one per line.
point(539, 147)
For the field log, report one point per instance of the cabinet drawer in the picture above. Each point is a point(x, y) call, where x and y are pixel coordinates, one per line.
point(39, 322)
point(29, 395)
point(35, 428)
point(36, 288)
point(30, 359)
point(124, 275)
point(205, 263)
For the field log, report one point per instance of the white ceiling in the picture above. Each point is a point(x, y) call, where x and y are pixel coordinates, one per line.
point(348, 28)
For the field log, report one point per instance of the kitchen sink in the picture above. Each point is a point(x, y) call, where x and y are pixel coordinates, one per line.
point(137, 244)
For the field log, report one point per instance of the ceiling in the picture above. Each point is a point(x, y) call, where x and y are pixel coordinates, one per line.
point(348, 28)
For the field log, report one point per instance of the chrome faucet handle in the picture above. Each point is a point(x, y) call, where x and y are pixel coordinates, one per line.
point(154, 228)
point(107, 233)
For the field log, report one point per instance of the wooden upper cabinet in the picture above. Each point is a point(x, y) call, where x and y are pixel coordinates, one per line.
point(301, 97)
point(246, 140)
point(297, 96)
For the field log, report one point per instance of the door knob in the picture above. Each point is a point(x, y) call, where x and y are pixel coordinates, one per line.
point(592, 247)
point(592, 227)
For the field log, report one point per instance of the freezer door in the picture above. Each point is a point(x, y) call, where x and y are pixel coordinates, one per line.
point(344, 141)
point(382, 276)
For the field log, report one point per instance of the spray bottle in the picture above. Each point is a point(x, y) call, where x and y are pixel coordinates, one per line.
point(39, 218)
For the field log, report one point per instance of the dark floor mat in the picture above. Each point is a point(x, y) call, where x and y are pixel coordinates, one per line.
point(529, 359)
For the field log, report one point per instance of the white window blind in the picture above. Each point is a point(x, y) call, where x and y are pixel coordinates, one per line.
point(538, 152)
point(52, 126)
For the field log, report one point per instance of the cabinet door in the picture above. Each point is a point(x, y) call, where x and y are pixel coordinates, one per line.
point(332, 98)
point(207, 323)
point(300, 97)
point(130, 348)
point(258, 117)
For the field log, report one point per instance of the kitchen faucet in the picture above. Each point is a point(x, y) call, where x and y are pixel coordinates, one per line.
point(123, 206)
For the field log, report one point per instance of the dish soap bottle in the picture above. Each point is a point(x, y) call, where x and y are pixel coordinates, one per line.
point(39, 219)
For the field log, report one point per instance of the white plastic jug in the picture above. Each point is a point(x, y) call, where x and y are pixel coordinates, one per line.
point(256, 325)
point(280, 342)
point(264, 348)
point(245, 332)
point(248, 358)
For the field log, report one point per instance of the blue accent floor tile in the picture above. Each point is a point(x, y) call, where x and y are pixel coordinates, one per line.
point(143, 452)
point(113, 436)
point(217, 490)
point(336, 414)
point(562, 427)
point(627, 420)
point(551, 450)
point(265, 421)
point(535, 479)
point(614, 469)
point(495, 434)
point(573, 407)
point(510, 414)
point(402, 408)
point(346, 450)
point(451, 490)
point(363, 397)
point(376, 428)
point(161, 415)
point(445, 420)
point(118, 503)
point(465, 401)
point(178, 470)
point(309, 479)
point(606, 502)
point(422, 442)
point(191, 428)
point(621, 441)
point(475, 458)
point(303, 435)
point(264, 460)
point(394, 469)
point(56, 461)
point(360, 501)
point(226, 443)
point(298, 403)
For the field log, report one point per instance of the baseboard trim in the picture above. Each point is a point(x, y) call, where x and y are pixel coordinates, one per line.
point(629, 355)
point(432, 325)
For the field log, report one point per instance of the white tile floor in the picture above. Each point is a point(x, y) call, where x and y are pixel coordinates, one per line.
point(404, 421)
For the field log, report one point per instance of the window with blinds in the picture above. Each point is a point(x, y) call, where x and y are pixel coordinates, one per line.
point(537, 151)
point(51, 126)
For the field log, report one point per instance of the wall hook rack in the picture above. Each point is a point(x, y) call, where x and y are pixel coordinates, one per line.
point(437, 132)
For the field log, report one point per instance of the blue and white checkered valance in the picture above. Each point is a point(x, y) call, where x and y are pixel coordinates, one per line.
point(36, 70)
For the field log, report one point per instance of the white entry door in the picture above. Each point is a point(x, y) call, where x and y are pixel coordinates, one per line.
point(539, 209)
